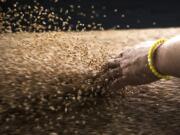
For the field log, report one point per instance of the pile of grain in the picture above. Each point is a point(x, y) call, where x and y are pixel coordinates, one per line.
point(49, 68)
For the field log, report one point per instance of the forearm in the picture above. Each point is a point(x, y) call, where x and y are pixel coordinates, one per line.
point(168, 57)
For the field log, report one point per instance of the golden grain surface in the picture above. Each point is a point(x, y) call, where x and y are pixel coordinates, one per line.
point(37, 69)
point(61, 58)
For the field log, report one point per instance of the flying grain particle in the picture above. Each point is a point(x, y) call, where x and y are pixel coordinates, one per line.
point(115, 10)
point(71, 6)
point(104, 15)
point(127, 26)
point(118, 26)
point(83, 122)
point(65, 109)
point(66, 12)
point(53, 133)
point(52, 108)
point(123, 16)
point(154, 23)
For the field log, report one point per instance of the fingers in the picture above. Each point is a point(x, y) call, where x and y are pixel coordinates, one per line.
point(117, 84)
point(108, 77)
point(113, 73)
point(113, 63)
point(120, 55)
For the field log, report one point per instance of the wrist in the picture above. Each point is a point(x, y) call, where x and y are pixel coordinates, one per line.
point(160, 59)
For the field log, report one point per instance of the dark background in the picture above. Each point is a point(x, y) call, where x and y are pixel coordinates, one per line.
point(100, 14)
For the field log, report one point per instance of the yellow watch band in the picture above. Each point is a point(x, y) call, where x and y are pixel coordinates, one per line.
point(150, 59)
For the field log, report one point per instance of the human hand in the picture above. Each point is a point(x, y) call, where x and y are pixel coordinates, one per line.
point(130, 67)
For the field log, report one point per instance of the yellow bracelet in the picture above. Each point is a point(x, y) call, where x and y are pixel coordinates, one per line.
point(150, 59)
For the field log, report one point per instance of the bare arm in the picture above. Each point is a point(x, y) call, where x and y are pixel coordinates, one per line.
point(168, 57)
point(132, 64)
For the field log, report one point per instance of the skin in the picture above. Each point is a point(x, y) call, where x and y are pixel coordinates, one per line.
point(130, 67)
point(168, 55)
